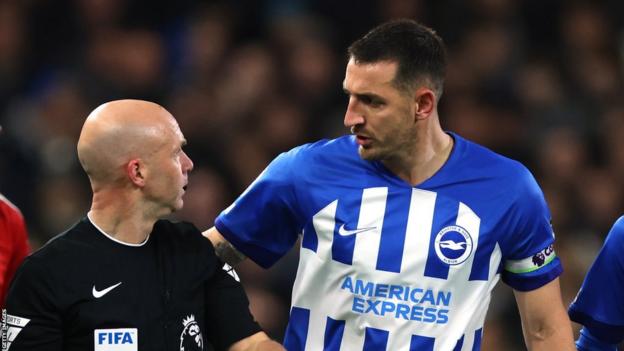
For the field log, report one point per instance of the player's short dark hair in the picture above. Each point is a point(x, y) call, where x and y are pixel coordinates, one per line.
point(417, 49)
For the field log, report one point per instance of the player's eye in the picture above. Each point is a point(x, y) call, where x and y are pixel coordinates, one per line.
point(372, 101)
point(376, 103)
point(366, 99)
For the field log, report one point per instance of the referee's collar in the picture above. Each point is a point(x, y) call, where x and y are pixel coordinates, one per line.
point(113, 238)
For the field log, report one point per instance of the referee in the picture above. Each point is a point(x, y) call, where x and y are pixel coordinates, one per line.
point(120, 278)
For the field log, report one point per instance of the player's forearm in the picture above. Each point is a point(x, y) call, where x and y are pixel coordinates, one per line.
point(545, 323)
point(551, 336)
point(223, 249)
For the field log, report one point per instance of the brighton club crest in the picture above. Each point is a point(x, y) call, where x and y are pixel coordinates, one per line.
point(453, 245)
point(191, 337)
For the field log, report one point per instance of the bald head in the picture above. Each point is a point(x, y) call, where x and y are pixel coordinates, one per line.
point(118, 131)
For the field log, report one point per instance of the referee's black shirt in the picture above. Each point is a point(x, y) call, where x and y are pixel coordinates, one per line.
point(85, 291)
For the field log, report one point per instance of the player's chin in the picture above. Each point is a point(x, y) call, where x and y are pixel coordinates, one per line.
point(367, 153)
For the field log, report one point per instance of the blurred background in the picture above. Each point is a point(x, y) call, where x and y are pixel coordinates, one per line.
point(538, 81)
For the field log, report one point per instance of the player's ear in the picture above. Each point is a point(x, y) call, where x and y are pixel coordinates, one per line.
point(424, 103)
point(135, 169)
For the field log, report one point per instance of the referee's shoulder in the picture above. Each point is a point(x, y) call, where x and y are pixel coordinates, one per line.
point(183, 242)
point(179, 233)
point(60, 245)
point(53, 256)
point(180, 229)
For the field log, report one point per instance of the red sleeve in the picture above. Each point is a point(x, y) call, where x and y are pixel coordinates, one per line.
point(13, 245)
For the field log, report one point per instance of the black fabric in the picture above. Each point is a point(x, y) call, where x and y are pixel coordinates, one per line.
point(173, 278)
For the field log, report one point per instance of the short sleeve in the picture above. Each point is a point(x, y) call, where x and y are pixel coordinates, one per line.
point(227, 309)
point(32, 319)
point(13, 247)
point(264, 222)
point(599, 305)
point(528, 250)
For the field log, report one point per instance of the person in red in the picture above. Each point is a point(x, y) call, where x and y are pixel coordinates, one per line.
point(13, 244)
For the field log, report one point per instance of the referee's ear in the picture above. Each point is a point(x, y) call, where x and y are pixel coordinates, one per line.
point(135, 172)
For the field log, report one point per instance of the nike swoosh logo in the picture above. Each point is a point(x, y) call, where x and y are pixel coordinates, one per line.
point(97, 294)
point(345, 232)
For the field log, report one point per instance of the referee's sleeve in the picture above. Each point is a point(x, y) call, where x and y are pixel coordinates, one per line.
point(227, 309)
point(31, 320)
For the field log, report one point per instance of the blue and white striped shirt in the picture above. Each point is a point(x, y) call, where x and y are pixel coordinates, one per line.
point(385, 265)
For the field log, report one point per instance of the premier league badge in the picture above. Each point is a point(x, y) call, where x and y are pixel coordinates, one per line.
point(191, 338)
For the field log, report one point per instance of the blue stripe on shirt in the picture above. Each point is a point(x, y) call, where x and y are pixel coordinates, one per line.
point(297, 330)
point(334, 329)
point(422, 343)
point(375, 339)
point(393, 232)
point(445, 214)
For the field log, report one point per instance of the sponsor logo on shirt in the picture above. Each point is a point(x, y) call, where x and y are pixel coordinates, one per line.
point(11, 327)
point(398, 301)
point(191, 337)
point(121, 339)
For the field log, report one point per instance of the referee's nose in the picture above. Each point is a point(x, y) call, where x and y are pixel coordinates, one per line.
point(187, 163)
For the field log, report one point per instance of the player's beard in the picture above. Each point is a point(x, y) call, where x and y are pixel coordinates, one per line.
point(376, 151)
point(390, 147)
point(369, 153)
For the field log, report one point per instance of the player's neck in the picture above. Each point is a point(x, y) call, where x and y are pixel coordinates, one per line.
point(120, 219)
point(423, 159)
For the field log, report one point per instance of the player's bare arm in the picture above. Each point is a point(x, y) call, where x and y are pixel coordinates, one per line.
point(224, 250)
point(257, 342)
point(545, 323)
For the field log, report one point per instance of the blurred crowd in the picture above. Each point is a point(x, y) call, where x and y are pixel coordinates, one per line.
point(538, 81)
